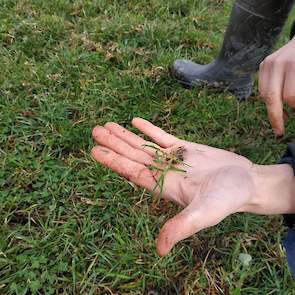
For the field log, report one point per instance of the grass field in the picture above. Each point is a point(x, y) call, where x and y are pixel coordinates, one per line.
point(69, 226)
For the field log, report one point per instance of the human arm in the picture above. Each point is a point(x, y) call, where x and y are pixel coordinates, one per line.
point(216, 183)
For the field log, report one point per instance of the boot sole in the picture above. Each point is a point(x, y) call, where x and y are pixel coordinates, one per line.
point(240, 93)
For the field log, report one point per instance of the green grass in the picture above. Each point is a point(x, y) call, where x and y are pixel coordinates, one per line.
point(69, 226)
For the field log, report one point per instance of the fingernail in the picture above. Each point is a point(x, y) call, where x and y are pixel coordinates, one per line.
point(98, 149)
point(279, 133)
point(104, 150)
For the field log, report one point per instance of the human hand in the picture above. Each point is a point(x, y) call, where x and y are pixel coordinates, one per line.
point(216, 183)
point(277, 84)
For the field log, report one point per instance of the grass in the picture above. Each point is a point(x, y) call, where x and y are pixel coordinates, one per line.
point(69, 226)
point(163, 163)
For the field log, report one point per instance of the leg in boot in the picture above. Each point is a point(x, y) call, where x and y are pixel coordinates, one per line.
point(253, 29)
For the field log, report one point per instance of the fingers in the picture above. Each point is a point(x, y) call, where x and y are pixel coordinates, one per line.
point(162, 138)
point(289, 86)
point(130, 138)
point(126, 135)
point(131, 170)
point(271, 85)
point(276, 84)
point(104, 137)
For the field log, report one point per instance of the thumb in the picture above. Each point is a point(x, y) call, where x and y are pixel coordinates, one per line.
point(183, 225)
point(227, 191)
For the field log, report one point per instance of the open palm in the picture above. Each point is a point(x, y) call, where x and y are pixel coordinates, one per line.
point(216, 183)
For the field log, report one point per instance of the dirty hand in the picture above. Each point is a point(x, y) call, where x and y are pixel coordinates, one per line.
point(216, 183)
point(277, 84)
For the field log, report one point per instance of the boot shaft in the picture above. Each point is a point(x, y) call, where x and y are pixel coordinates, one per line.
point(273, 10)
point(253, 30)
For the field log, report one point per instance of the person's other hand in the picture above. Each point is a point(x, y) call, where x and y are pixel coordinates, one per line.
point(277, 84)
point(216, 183)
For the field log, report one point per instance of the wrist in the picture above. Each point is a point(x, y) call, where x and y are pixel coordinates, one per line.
point(274, 189)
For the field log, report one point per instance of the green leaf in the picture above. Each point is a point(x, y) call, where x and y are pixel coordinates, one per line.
point(35, 286)
point(245, 259)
